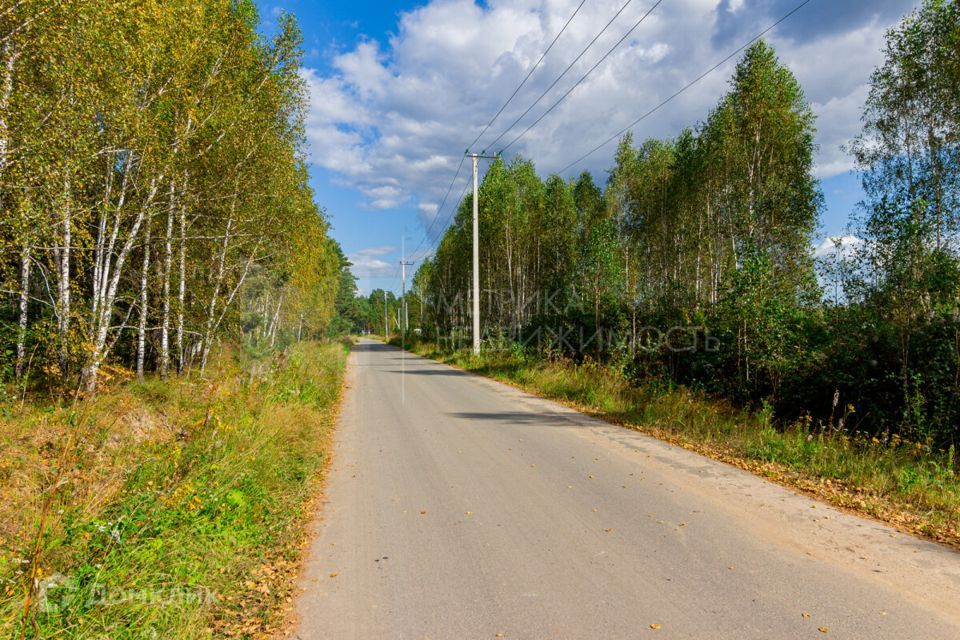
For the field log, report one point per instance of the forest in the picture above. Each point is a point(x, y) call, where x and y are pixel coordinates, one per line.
point(153, 184)
point(168, 288)
point(691, 263)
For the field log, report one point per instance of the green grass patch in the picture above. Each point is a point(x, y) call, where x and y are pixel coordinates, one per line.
point(165, 509)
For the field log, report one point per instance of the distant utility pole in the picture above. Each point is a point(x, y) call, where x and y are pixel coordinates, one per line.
point(476, 250)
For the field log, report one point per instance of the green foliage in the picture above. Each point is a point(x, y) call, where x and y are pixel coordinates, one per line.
point(709, 236)
point(183, 530)
point(154, 188)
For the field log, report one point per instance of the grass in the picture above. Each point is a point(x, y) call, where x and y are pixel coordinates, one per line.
point(165, 509)
point(907, 484)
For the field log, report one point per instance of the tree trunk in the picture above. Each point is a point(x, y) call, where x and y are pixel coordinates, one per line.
point(6, 90)
point(167, 266)
point(212, 307)
point(276, 322)
point(111, 280)
point(63, 283)
point(182, 293)
point(144, 278)
point(24, 310)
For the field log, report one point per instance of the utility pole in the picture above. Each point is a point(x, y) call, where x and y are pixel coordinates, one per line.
point(386, 329)
point(476, 250)
point(403, 266)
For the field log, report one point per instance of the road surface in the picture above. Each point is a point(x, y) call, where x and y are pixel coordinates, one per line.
point(461, 508)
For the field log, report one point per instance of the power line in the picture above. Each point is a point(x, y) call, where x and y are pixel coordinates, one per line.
point(569, 91)
point(698, 79)
point(514, 94)
point(442, 202)
point(554, 83)
point(535, 102)
point(463, 194)
point(529, 73)
point(497, 115)
point(584, 76)
point(628, 127)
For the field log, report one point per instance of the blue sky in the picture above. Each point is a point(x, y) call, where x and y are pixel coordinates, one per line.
point(399, 87)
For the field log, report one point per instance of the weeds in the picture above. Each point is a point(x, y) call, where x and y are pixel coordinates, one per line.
point(164, 509)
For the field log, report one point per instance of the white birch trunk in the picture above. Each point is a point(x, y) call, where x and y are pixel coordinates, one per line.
point(182, 293)
point(6, 91)
point(24, 310)
point(112, 272)
point(63, 283)
point(274, 325)
point(144, 279)
point(212, 307)
point(167, 267)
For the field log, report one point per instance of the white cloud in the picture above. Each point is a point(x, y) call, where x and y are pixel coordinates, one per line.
point(369, 263)
point(834, 245)
point(392, 118)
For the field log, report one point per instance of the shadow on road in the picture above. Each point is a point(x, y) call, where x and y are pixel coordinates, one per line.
point(413, 370)
point(374, 347)
point(516, 417)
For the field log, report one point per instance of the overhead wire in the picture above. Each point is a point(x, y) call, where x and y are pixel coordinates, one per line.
point(463, 195)
point(433, 222)
point(523, 82)
point(569, 91)
point(560, 77)
point(584, 76)
point(529, 73)
point(681, 91)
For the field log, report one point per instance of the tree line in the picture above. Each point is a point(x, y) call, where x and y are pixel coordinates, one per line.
point(711, 233)
point(153, 188)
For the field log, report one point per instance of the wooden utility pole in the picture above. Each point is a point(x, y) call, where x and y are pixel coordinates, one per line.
point(476, 250)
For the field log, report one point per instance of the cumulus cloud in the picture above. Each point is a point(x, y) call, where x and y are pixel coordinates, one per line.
point(369, 263)
point(392, 118)
point(837, 245)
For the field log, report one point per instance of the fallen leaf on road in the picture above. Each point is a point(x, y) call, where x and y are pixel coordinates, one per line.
point(424, 512)
point(608, 530)
point(469, 513)
point(805, 614)
point(823, 629)
point(334, 574)
point(654, 626)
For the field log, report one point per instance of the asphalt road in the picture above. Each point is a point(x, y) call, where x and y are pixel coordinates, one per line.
point(461, 508)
